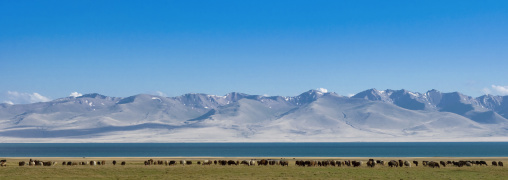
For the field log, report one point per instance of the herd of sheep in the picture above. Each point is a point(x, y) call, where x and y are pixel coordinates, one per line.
point(32, 162)
point(265, 162)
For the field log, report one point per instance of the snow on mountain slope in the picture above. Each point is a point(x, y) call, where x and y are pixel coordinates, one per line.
point(363, 118)
point(315, 115)
point(483, 109)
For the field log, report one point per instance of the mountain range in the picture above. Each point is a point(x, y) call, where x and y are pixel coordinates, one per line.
point(313, 116)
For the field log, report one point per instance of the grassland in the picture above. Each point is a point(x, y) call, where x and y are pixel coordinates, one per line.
point(135, 169)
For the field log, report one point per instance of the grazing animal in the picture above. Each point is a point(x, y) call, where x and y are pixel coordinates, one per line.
point(339, 163)
point(348, 162)
point(245, 162)
point(407, 163)
point(299, 163)
point(22, 163)
point(356, 163)
point(93, 163)
point(183, 162)
point(103, 163)
point(114, 162)
point(284, 163)
point(3, 162)
point(500, 163)
point(494, 163)
point(64, 163)
point(442, 163)
point(231, 162)
point(123, 163)
point(263, 162)
point(393, 163)
point(415, 162)
point(433, 164)
point(371, 163)
point(425, 163)
point(401, 163)
point(189, 162)
point(468, 163)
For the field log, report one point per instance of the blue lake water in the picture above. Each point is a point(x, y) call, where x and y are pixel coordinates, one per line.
point(363, 149)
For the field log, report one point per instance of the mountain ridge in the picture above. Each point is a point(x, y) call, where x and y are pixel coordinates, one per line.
point(314, 115)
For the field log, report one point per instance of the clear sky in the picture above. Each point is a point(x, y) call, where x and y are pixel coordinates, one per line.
point(49, 49)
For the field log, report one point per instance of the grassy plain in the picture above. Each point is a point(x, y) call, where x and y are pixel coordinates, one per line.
point(136, 170)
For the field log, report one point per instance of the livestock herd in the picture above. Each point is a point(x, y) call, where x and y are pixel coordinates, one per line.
point(32, 162)
point(271, 162)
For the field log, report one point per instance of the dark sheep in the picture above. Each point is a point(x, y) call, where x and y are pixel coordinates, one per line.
point(393, 163)
point(415, 162)
point(231, 162)
point(356, 163)
point(442, 163)
point(433, 164)
point(483, 163)
point(263, 162)
point(284, 163)
point(48, 163)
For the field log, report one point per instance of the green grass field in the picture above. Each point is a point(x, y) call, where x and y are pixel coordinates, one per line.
point(136, 170)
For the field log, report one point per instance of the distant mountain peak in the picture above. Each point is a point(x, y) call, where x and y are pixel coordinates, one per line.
point(370, 94)
point(93, 95)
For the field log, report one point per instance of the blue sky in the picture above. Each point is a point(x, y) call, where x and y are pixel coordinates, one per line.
point(122, 48)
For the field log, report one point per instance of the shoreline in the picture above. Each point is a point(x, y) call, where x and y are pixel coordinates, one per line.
point(257, 158)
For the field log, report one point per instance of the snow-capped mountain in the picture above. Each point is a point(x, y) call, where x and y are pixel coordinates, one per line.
point(315, 115)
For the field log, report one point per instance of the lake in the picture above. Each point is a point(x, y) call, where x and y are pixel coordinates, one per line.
point(357, 149)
